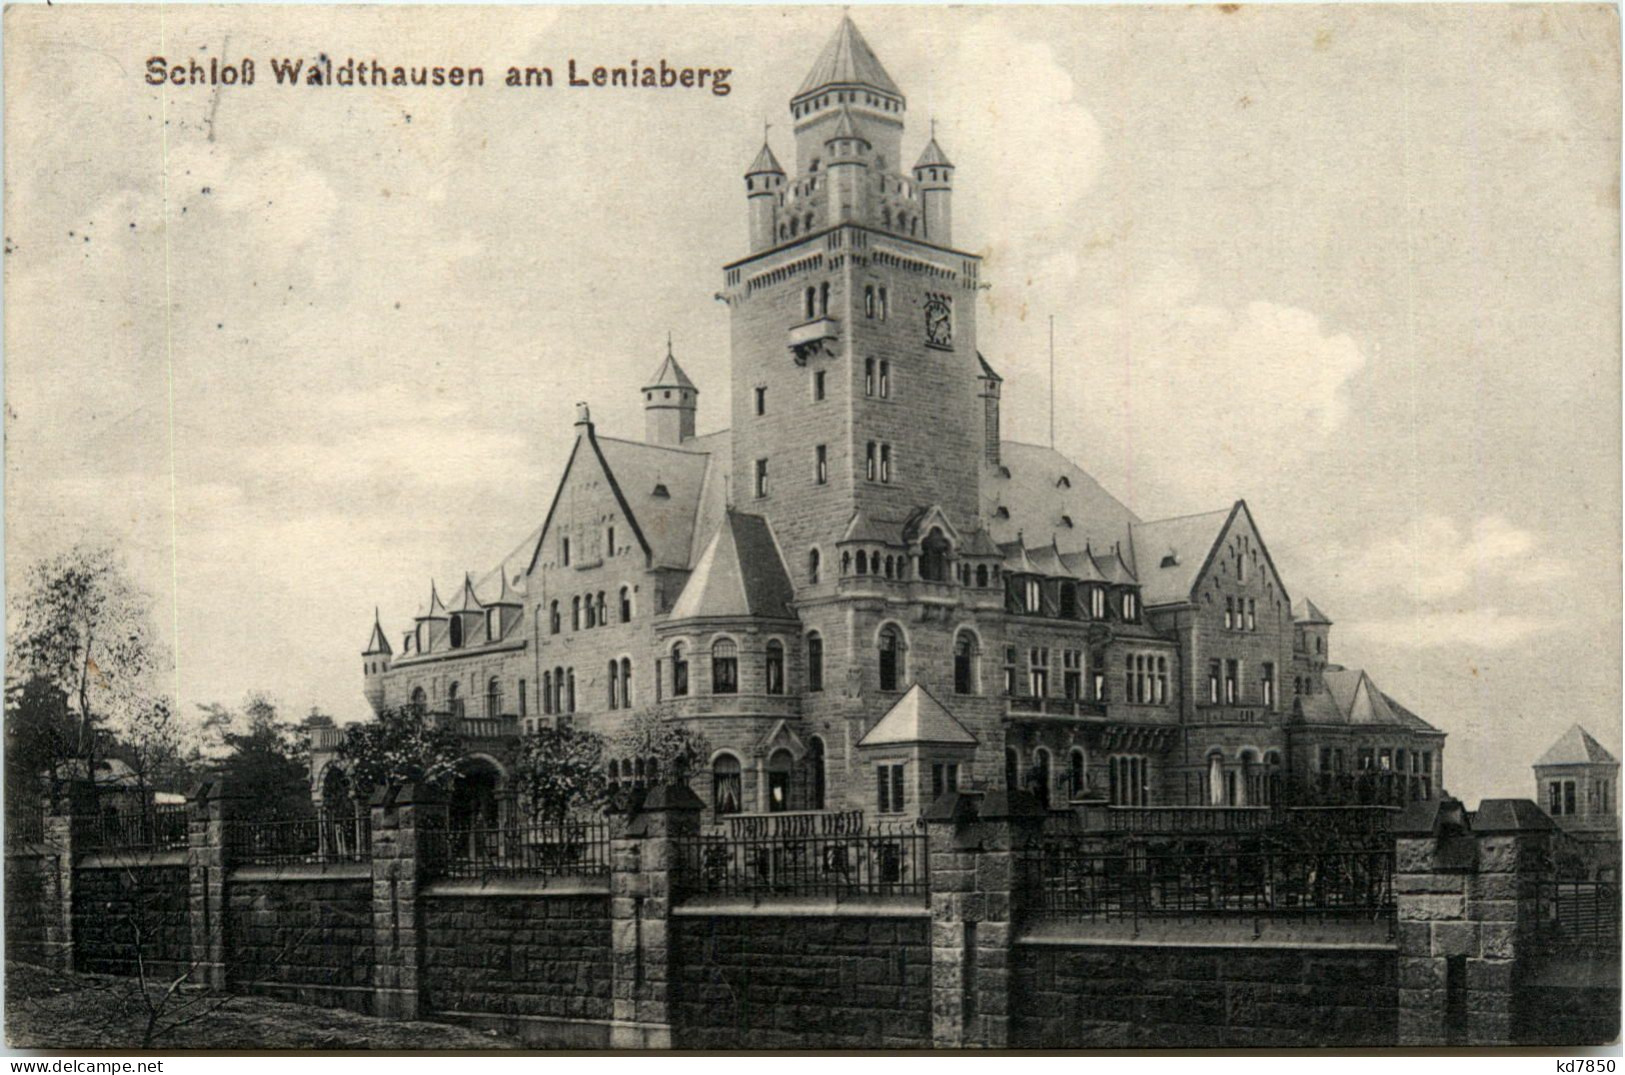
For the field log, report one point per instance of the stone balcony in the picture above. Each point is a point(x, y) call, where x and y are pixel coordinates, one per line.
point(813, 337)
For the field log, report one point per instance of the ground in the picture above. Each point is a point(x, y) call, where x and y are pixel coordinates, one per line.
point(51, 1010)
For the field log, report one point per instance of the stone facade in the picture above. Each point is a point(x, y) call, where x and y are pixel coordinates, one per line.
point(112, 904)
point(301, 937)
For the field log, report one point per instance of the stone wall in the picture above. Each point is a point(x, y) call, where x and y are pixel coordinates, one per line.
point(130, 912)
point(519, 960)
point(28, 894)
point(801, 982)
point(301, 935)
point(1130, 996)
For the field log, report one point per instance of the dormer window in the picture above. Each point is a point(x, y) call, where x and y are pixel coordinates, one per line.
point(1170, 560)
point(1034, 596)
point(661, 492)
point(1097, 603)
point(1131, 606)
point(456, 632)
point(1064, 482)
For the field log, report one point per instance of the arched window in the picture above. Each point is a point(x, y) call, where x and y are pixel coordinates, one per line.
point(614, 774)
point(934, 557)
point(812, 292)
point(420, 701)
point(493, 698)
point(456, 631)
point(823, 290)
point(614, 683)
point(453, 696)
point(553, 618)
point(891, 567)
point(812, 565)
point(603, 616)
point(679, 671)
point(547, 692)
point(626, 604)
point(874, 562)
point(981, 575)
point(965, 663)
point(779, 766)
point(1215, 779)
point(590, 615)
point(558, 690)
point(815, 662)
point(775, 667)
point(724, 667)
point(815, 773)
point(1040, 780)
point(891, 658)
point(570, 690)
point(727, 790)
point(1077, 773)
point(575, 613)
point(863, 562)
point(626, 683)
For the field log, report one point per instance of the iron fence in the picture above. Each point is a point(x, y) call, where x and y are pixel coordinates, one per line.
point(881, 860)
point(327, 837)
point(532, 848)
point(1579, 912)
point(1070, 879)
point(161, 827)
point(25, 825)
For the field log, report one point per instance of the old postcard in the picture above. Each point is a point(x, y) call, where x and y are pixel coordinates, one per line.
point(812, 529)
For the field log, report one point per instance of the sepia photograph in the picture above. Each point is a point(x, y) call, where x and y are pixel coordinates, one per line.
point(815, 529)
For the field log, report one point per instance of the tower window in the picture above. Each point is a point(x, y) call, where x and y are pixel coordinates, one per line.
point(883, 304)
point(823, 290)
point(812, 565)
point(885, 379)
point(775, 667)
point(679, 671)
point(869, 462)
point(564, 551)
point(822, 471)
point(891, 658)
point(812, 292)
point(761, 400)
point(868, 376)
point(818, 386)
point(885, 463)
point(869, 300)
point(815, 662)
point(724, 667)
point(761, 477)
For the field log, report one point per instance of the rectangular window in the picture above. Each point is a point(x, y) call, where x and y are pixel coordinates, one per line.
point(1097, 662)
point(1252, 614)
point(818, 386)
point(889, 788)
point(1213, 682)
point(869, 300)
point(822, 473)
point(1072, 673)
point(883, 304)
point(1568, 797)
point(1554, 798)
point(868, 376)
point(1038, 672)
point(1367, 759)
point(761, 477)
point(1232, 675)
point(885, 463)
point(761, 400)
point(1269, 685)
point(1131, 606)
point(1009, 670)
point(1385, 760)
point(1161, 685)
point(815, 663)
point(522, 702)
point(885, 379)
point(944, 778)
point(869, 462)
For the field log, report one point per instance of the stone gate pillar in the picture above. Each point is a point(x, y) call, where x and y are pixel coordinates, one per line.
point(210, 807)
point(408, 823)
point(976, 844)
point(72, 799)
point(644, 876)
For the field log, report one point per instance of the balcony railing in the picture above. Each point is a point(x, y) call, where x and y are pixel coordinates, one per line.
point(882, 860)
point(797, 823)
point(328, 837)
point(572, 848)
point(1288, 821)
point(1219, 713)
point(161, 827)
point(1028, 705)
point(1068, 879)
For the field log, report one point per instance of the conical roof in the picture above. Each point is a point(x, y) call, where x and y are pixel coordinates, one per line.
point(437, 608)
point(1577, 747)
point(1306, 612)
point(670, 374)
point(845, 128)
point(917, 718)
point(377, 645)
point(740, 573)
point(934, 157)
point(765, 163)
point(847, 60)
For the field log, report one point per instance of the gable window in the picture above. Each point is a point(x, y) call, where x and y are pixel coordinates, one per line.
point(1252, 614)
point(775, 667)
point(679, 671)
point(1269, 685)
point(609, 542)
point(891, 658)
point(1229, 613)
point(821, 469)
point(1097, 602)
point(761, 478)
point(761, 401)
point(890, 789)
point(724, 667)
point(815, 662)
point(818, 386)
point(564, 551)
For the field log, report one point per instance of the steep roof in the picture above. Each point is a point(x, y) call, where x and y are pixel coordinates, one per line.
point(670, 374)
point(1043, 491)
point(377, 644)
point(917, 718)
point(847, 60)
point(740, 573)
point(765, 162)
point(1576, 747)
point(988, 373)
point(933, 157)
point(1169, 553)
point(1357, 697)
point(666, 522)
point(1305, 612)
point(1407, 718)
point(467, 600)
point(845, 128)
point(437, 607)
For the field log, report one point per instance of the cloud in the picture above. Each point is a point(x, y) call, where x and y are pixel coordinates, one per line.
point(1437, 559)
point(1478, 628)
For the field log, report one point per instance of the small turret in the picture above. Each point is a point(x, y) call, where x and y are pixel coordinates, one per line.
point(764, 187)
point(467, 617)
point(934, 177)
point(848, 153)
point(670, 403)
point(375, 663)
point(989, 383)
point(429, 622)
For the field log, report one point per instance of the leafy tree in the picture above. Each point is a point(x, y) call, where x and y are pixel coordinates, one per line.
point(268, 764)
point(561, 772)
point(401, 746)
point(678, 750)
point(41, 738)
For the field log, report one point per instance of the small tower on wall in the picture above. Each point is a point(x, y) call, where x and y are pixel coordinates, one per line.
point(375, 663)
point(670, 401)
point(764, 188)
point(848, 168)
point(934, 177)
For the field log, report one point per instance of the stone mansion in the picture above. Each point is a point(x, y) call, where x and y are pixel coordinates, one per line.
point(862, 594)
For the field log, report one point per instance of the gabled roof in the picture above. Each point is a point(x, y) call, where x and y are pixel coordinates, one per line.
point(1081, 566)
point(765, 163)
point(933, 157)
point(1113, 569)
point(917, 718)
point(740, 573)
point(1170, 553)
point(1576, 747)
point(1305, 612)
point(377, 644)
point(1035, 498)
point(670, 374)
point(847, 60)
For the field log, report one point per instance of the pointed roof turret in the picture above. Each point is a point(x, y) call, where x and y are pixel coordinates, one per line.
point(934, 157)
point(507, 595)
point(670, 374)
point(845, 129)
point(918, 718)
point(847, 60)
point(1306, 612)
point(437, 608)
point(467, 600)
point(377, 645)
point(765, 163)
point(1577, 747)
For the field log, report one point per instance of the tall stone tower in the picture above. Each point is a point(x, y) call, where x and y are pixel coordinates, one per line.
point(856, 386)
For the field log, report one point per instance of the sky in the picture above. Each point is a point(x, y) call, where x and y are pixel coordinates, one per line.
point(295, 352)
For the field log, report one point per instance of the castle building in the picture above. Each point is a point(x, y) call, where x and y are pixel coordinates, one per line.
point(1577, 782)
point(861, 593)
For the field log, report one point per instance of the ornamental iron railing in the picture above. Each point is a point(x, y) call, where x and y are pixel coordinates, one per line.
point(160, 827)
point(1578, 912)
point(325, 838)
point(539, 848)
point(886, 859)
